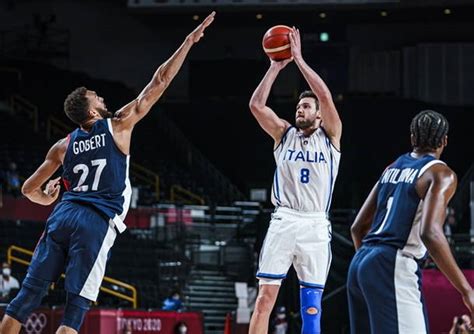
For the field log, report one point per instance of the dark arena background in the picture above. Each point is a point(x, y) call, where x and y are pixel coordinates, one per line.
point(202, 168)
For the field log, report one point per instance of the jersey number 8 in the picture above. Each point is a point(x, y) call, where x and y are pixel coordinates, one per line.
point(304, 175)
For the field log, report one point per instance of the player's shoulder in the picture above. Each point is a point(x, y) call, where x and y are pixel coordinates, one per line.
point(439, 172)
point(62, 144)
point(443, 171)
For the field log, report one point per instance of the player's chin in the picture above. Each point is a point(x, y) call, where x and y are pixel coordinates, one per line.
point(300, 122)
point(106, 114)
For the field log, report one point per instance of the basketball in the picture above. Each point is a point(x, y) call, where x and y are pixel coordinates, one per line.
point(276, 42)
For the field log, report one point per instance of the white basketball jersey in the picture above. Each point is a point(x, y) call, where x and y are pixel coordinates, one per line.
point(306, 169)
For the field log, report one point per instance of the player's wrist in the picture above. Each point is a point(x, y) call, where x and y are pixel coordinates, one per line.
point(275, 66)
point(466, 291)
point(298, 59)
point(189, 40)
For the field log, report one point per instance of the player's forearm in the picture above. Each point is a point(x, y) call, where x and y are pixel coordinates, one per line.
point(315, 82)
point(168, 70)
point(160, 81)
point(260, 95)
point(36, 196)
point(439, 249)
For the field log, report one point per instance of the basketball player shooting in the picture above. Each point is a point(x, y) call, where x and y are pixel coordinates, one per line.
point(307, 158)
point(83, 226)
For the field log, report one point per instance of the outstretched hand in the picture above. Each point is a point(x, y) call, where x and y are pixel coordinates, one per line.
point(295, 42)
point(197, 33)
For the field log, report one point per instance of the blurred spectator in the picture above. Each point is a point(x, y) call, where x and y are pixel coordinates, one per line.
point(181, 328)
point(173, 302)
point(135, 197)
point(12, 180)
point(462, 325)
point(279, 323)
point(7, 283)
point(450, 223)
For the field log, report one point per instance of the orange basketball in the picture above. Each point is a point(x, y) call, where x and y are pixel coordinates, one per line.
point(276, 42)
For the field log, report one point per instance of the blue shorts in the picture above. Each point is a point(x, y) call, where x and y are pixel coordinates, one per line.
point(384, 292)
point(76, 241)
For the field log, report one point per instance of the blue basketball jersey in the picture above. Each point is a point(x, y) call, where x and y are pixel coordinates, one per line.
point(96, 172)
point(398, 215)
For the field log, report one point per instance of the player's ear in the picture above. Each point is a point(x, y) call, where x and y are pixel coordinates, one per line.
point(445, 140)
point(412, 140)
point(93, 113)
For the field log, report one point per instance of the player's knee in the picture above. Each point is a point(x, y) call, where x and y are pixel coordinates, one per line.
point(263, 304)
point(29, 298)
point(311, 309)
point(75, 311)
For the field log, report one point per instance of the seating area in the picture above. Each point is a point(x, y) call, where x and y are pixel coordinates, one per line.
point(157, 144)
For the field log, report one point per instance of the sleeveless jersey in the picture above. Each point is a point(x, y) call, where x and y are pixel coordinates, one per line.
point(306, 170)
point(397, 221)
point(95, 172)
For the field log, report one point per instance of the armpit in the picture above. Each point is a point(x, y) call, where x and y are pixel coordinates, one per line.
point(126, 111)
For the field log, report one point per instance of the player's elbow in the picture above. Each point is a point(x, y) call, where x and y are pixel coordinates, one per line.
point(255, 107)
point(161, 79)
point(355, 229)
point(160, 83)
point(26, 189)
point(431, 236)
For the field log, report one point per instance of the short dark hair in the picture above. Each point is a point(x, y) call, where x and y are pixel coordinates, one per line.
point(429, 128)
point(309, 93)
point(76, 105)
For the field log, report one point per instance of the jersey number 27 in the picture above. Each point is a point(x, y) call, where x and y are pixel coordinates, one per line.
point(84, 170)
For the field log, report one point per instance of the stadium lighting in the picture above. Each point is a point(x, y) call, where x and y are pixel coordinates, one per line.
point(324, 37)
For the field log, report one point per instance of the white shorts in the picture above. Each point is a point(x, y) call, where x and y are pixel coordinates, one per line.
point(299, 238)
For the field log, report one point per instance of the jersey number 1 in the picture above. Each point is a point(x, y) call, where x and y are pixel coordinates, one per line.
point(389, 207)
point(84, 170)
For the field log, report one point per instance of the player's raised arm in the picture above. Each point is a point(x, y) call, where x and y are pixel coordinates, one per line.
point(32, 188)
point(330, 118)
point(266, 117)
point(437, 186)
point(363, 221)
point(133, 112)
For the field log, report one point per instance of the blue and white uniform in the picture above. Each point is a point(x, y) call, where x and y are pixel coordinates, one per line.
point(299, 231)
point(384, 281)
point(82, 228)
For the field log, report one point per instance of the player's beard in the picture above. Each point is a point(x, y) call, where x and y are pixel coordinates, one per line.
point(105, 113)
point(303, 123)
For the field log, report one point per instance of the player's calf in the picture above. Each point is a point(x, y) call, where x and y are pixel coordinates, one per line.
point(311, 310)
point(74, 313)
